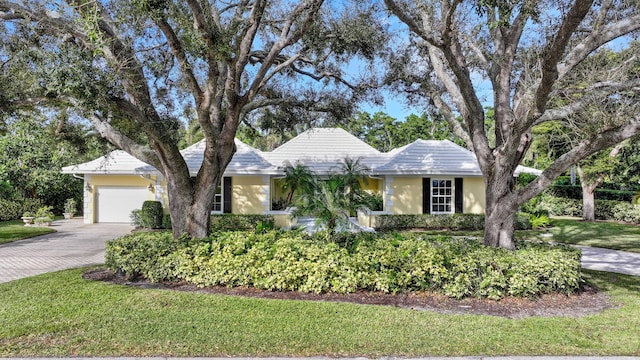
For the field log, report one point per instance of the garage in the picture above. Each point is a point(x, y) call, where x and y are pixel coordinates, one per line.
point(115, 203)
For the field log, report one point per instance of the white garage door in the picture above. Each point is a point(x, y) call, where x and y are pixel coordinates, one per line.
point(115, 203)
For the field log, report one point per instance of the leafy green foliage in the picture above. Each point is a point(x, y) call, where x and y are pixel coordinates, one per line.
point(13, 209)
point(152, 214)
point(33, 151)
point(540, 220)
point(238, 222)
point(334, 200)
point(142, 253)
point(70, 206)
point(386, 133)
point(604, 209)
point(466, 222)
point(290, 261)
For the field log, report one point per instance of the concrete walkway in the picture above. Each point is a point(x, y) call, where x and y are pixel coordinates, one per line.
point(75, 244)
point(610, 260)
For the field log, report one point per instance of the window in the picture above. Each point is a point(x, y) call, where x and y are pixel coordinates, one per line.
point(441, 196)
point(217, 200)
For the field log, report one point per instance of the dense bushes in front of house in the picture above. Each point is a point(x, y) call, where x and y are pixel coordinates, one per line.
point(229, 222)
point(604, 209)
point(13, 209)
point(389, 262)
point(456, 222)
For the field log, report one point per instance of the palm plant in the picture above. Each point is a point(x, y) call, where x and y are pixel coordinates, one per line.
point(327, 204)
point(298, 180)
point(332, 201)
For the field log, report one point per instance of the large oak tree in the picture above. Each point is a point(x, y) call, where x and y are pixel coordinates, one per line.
point(130, 67)
point(525, 51)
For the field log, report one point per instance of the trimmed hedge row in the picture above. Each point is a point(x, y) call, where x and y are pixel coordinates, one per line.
point(575, 192)
point(13, 209)
point(456, 222)
point(604, 209)
point(229, 222)
point(391, 262)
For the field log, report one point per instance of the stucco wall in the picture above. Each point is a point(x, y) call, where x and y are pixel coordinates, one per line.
point(404, 195)
point(91, 181)
point(474, 197)
point(250, 194)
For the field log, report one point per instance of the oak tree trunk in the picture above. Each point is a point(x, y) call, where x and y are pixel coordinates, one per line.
point(500, 208)
point(588, 203)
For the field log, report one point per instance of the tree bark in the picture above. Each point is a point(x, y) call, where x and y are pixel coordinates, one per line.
point(500, 208)
point(588, 203)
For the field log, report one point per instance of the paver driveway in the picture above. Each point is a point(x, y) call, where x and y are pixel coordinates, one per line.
point(75, 244)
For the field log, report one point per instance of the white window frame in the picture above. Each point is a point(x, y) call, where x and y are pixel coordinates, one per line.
point(218, 199)
point(442, 196)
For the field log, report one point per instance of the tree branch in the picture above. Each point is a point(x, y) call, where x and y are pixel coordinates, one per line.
point(592, 94)
point(555, 51)
point(582, 150)
point(596, 39)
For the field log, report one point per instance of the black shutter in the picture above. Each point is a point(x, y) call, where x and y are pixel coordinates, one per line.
point(426, 195)
point(226, 194)
point(459, 195)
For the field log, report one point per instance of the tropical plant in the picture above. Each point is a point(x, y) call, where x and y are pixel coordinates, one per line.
point(298, 180)
point(70, 206)
point(332, 201)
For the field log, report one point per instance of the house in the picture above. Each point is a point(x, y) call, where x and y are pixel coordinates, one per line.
point(426, 176)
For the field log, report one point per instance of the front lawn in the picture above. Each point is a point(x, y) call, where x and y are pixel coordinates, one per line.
point(601, 234)
point(60, 314)
point(15, 230)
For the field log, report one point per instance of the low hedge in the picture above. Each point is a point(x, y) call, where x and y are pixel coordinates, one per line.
point(455, 222)
point(604, 209)
point(389, 262)
point(13, 209)
point(575, 192)
point(232, 222)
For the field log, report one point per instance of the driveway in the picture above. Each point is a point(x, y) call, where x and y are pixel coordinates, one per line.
point(75, 244)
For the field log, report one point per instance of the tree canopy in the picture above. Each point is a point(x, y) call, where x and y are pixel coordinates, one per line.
point(532, 55)
point(132, 68)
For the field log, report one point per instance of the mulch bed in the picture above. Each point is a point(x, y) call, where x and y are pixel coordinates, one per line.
point(586, 302)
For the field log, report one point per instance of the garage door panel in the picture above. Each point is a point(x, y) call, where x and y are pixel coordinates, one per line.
point(115, 203)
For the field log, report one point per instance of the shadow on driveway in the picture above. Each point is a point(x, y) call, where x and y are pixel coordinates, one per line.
point(75, 244)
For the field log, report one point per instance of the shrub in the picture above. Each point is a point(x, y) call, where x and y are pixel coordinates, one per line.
point(430, 222)
point(166, 221)
point(142, 253)
point(151, 214)
point(540, 220)
point(455, 222)
point(626, 212)
point(389, 262)
point(575, 192)
point(13, 209)
point(234, 222)
point(70, 206)
point(135, 218)
point(44, 212)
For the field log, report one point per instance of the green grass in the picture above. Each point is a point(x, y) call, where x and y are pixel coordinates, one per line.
point(601, 234)
point(60, 314)
point(15, 230)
